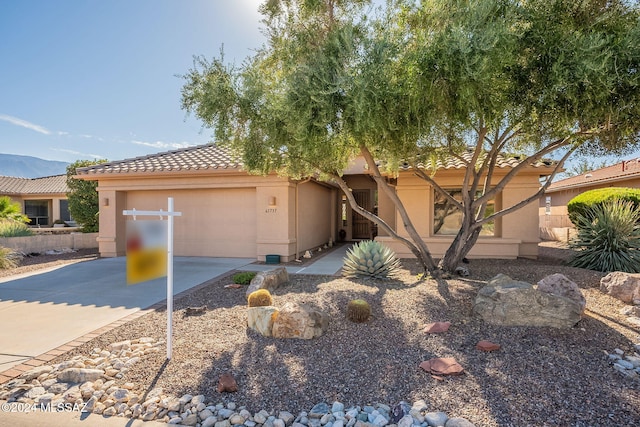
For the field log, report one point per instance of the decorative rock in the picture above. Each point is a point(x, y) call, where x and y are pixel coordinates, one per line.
point(462, 271)
point(278, 423)
point(36, 372)
point(287, 417)
point(223, 423)
point(437, 327)
point(260, 319)
point(319, 410)
point(561, 285)
point(79, 375)
point(208, 422)
point(508, 302)
point(625, 364)
point(459, 422)
point(190, 420)
point(442, 366)
point(227, 384)
point(623, 286)
point(260, 418)
point(406, 421)
point(337, 407)
point(225, 413)
point(300, 321)
point(34, 392)
point(236, 419)
point(487, 346)
point(269, 280)
point(435, 419)
point(631, 310)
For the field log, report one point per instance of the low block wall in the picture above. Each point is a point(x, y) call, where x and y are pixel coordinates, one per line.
point(48, 242)
point(560, 234)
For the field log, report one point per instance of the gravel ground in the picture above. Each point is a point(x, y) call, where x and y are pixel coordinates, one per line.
point(540, 377)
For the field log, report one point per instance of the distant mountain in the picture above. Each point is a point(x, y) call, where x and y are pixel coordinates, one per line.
point(30, 167)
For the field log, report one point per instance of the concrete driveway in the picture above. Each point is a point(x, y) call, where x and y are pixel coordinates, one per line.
point(45, 310)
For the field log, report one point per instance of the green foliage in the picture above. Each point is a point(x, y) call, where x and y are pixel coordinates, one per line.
point(370, 259)
point(260, 298)
point(358, 310)
point(244, 277)
point(83, 197)
point(583, 204)
point(608, 237)
point(9, 228)
point(9, 258)
point(422, 81)
point(11, 210)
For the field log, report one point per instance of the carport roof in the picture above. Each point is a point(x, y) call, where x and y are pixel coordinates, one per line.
point(201, 157)
point(47, 185)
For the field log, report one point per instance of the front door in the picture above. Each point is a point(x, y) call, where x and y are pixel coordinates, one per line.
point(361, 225)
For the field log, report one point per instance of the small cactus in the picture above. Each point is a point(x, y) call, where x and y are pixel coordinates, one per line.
point(358, 310)
point(370, 259)
point(259, 298)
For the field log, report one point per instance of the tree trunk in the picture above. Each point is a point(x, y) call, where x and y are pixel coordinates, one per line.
point(459, 248)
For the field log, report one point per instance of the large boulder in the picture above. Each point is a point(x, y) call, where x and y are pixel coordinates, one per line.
point(559, 284)
point(260, 319)
point(508, 302)
point(623, 286)
point(299, 321)
point(269, 280)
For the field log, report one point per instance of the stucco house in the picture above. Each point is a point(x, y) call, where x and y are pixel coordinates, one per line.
point(43, 200)
point(554, 219)
point(229, 213)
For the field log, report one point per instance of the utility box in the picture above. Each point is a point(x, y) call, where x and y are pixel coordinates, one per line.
point(272, 259)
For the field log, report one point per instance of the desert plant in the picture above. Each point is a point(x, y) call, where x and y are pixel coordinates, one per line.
point(11, 210)
point(10, 228)
point(9, 258)
point(259, 298)
point(370, 259)
point(608, 238)
point(244, 277)
point(584, 202)
point(358, 310)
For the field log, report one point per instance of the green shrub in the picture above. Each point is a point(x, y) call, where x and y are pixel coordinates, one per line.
point(244, 277)
point(608, 238)
point(581, 204)
point(9, 258)
point(9, 228)
point(372, 259)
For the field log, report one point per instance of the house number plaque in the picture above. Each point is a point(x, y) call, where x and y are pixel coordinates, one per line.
point(270, 210)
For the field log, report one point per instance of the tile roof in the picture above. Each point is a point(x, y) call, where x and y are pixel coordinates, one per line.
point(47, 185)
point(503, 161)
point(201, 157)
point(620, 171)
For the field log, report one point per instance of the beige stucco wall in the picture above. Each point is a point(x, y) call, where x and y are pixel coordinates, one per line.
point(516, 234)
point(315, 214)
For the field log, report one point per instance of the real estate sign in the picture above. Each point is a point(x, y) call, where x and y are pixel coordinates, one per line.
point(146, 250)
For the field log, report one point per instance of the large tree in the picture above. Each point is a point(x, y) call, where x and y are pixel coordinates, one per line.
point(461, 79)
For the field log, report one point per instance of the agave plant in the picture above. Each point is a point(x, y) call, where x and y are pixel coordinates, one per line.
point(608, 238)
point(370, 259)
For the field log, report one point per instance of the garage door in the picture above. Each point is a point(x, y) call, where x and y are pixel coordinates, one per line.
point(218, 222)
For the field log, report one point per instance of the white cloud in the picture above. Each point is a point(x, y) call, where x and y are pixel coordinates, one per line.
point(25, 124)
point(164, 145)
point(78, 153)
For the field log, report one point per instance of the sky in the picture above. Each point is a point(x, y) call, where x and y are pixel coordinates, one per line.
point(91, 79)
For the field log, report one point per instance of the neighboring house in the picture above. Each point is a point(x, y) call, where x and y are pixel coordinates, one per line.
point(554, 219)
point(227, 212)
point(43, 200)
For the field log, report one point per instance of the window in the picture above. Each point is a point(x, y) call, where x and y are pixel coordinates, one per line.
point(64, 210)
point(37, 211)
point(447, 218)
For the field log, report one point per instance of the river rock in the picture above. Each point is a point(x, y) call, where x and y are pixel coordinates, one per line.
point(509, 302)
point(300, 321)
point(623, 286)
point(79, 375)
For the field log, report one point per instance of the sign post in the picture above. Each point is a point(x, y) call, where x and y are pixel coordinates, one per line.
point(169, 263)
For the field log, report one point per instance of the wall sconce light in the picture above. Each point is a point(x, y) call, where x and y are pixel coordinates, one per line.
point(105, 201)
point(272, 201)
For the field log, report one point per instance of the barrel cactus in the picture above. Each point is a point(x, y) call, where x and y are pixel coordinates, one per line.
point(370, 259)
point(260, 298)
point(358, 310)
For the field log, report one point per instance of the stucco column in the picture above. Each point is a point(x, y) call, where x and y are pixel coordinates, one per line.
point(275, 221)
point(111, 237)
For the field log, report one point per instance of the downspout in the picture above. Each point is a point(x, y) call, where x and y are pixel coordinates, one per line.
point(298, 218)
